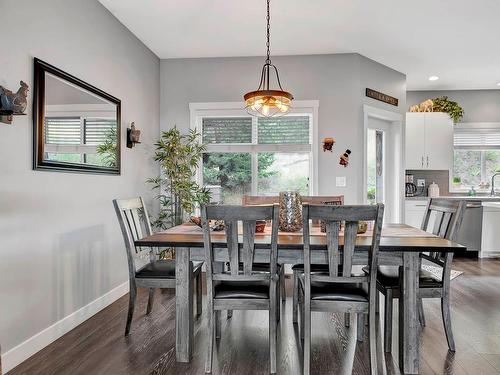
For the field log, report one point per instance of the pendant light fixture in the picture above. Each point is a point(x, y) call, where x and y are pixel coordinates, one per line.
point(266, 102)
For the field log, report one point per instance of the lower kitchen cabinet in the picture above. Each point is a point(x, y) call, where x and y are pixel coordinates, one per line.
point(490, 243)
point(414, 211)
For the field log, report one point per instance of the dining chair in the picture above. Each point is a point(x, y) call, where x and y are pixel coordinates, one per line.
point(240, 288)
point(336, 289)
point(298, 269)
point(447, 218)
point(145, 271)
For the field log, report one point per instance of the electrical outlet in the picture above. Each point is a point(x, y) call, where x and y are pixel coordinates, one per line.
point(340, 181)
point(421, 182)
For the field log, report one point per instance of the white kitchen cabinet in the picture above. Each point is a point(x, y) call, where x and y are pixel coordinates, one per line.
point(414, 211)
point(415, 140)
point(429, 141)
point(490, 241)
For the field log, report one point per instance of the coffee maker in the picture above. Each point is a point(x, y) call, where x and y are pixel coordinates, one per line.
point(410, 187)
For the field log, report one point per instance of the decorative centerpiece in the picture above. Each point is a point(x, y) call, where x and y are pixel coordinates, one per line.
point(290, 211)
point(362, 227)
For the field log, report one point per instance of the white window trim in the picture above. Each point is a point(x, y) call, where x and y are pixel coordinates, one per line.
point(236, 109)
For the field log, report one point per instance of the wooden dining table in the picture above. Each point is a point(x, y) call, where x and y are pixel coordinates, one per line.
point(400, 245)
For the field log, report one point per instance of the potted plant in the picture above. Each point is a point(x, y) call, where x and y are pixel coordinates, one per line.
point(457, 181)
point(443, 104)
point(179, 156)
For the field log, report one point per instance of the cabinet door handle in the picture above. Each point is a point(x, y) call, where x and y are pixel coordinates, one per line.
point(422, 161)
point(427, 161)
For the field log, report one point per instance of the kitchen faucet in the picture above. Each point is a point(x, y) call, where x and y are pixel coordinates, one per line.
point(493, 183)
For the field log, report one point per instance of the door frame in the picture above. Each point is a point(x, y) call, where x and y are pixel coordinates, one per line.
point(395, 121)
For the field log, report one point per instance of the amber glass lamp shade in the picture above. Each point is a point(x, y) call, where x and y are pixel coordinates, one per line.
point(268, 103)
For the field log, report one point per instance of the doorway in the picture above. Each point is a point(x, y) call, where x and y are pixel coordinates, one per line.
point(383, 164)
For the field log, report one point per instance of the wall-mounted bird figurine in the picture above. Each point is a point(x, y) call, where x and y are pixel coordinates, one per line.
point(344, 158)
point(15, 102)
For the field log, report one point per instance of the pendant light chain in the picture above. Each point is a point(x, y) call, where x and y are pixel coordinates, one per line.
point(267, 102)
point(268, 60)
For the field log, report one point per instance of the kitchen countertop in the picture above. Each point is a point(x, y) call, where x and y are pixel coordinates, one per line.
point(492, 205)
point(486, 198)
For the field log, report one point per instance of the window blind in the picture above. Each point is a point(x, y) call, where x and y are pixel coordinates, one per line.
point(479, 139)
point(97, 129)
point(68, 130)
point(63, 130)
point(284, 130)
point(227, 130)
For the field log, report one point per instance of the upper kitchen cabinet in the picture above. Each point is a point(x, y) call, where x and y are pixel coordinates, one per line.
point(429, 141)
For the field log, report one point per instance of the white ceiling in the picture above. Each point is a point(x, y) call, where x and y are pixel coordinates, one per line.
point(456, 40)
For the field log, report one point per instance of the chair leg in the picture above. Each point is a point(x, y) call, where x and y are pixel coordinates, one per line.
point(445, 310)
point(388, 322)
point(421, 315)
point(131, 306)
point(150, 300)
point(295, 297)
point(307, 337)
point(347, 320)
point(302, 316)
point(273, 326)
point(211, 338)
point(361, 327)
point(282, 283)
point(199, 296)
point(278, 301)
point(217, 316)
point(372, 338)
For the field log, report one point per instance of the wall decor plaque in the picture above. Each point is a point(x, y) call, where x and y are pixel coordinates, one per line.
point(382, 97)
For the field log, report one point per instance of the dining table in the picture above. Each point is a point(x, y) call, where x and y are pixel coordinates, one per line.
point(400, 245)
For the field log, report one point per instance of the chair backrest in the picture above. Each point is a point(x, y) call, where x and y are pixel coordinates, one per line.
point(332, 216)
point(252, 200)
point(134, 223)
point(448, 216)
point(240, 248)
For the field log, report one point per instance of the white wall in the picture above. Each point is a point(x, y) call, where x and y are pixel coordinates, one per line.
point(60, 244)
point(337, 81)
point(478, 105)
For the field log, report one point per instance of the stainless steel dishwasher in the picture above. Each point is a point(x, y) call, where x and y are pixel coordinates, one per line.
point(472, 226)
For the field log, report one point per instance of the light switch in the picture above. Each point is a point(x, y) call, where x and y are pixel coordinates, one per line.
point(340, 181)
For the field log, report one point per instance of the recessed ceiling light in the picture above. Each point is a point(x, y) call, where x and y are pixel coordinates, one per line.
point(433, 78)
point(498, 84)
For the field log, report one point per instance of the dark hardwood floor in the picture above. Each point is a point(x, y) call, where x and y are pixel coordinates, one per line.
point(98, 346)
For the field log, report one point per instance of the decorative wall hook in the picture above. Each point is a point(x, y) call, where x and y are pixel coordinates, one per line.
point(133, 135)
point(12, 104)
point(344, 158)
point(328, 144)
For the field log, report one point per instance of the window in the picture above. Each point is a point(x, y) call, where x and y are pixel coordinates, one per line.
point(77, 139)
point(476, 156)
point(254, 156)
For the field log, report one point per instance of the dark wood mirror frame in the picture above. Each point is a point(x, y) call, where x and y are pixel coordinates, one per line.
point(39, 163)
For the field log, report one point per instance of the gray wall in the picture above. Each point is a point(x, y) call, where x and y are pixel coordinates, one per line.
point(337, 81)
point(60, 243)
point(478, 105)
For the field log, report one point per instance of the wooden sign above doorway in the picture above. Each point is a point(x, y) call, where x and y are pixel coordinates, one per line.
point(382, 97)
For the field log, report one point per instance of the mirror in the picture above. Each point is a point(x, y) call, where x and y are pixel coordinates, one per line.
point(76, 125)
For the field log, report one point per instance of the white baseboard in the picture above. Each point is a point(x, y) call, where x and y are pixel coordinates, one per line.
point(489, 254)
point(39, 341)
